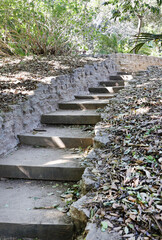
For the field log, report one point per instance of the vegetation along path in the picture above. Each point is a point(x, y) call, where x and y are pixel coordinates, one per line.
point(34, 208)
point(122, 183)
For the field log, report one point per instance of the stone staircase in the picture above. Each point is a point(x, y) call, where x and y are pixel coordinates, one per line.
point(28, 203)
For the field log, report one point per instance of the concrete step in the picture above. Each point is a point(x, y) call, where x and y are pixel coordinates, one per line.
point(124, 73)
point(95, 96)
point(58, 137)
point(140, 73)
point(112, 83)
point(72, 117)
point(42, 163)
point(29, 210)
point(121, 77)
point(83, 104)
point(105, 89)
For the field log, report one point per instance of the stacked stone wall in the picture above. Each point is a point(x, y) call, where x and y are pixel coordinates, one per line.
point(134, 62)
point(25, 116)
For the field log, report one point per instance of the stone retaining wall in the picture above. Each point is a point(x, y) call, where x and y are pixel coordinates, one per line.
point(26, 115)
point(134, 62)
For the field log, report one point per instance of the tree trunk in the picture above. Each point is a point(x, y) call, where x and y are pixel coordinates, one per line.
point(140, 21)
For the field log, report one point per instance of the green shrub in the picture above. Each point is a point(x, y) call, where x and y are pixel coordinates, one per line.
point(42, 27)
point(109, 43)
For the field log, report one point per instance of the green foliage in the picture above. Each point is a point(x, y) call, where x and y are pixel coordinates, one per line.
point(146, 49)
point(109, 43)
point(126, 9)
point(43, 27)
point(62, 27)
point(147, 38)
point(159, 2)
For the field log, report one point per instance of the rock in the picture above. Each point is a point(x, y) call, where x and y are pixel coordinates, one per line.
point(102, 139)
point(95, 233)
point(87, 183)
point(79, 214)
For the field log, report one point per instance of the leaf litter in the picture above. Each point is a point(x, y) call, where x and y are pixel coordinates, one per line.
point(20, 76)
point(127, 170)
